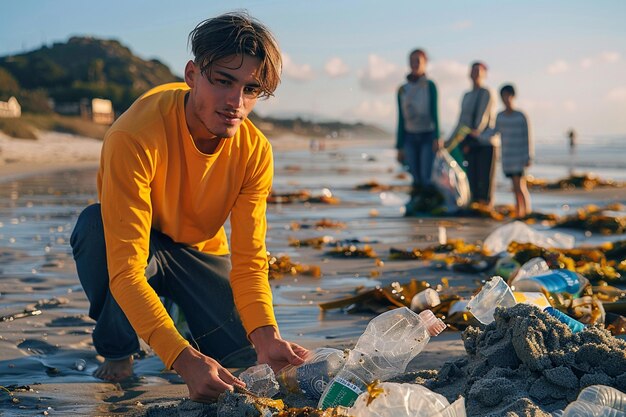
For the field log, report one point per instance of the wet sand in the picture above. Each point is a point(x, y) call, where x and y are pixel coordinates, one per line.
point(39, 203)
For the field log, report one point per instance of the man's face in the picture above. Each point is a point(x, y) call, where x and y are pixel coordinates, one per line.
point(477, 73)
point(217, 106)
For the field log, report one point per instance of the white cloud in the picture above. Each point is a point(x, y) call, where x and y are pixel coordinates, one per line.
point(380, 76)
point(558, 67)
point(335, 67)
point(607, 57)
point(617, 94)
point(375, 110)
point(298, 72)
point(461, 25)
point(448, 72)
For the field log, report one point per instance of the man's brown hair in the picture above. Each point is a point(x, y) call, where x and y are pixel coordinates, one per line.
point(237, 33)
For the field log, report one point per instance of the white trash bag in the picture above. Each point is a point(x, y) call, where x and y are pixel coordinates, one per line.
point(406, 400)
point(498, 241)
point(451, 181)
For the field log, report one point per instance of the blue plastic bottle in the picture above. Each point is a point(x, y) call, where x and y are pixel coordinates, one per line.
point(554, 281)
point(574, 325)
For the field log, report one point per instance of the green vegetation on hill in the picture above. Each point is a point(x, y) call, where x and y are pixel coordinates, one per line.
point(83, 67)
point(304, 127)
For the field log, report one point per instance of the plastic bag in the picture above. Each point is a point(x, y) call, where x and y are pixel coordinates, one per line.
point(498, 241)
point(451, 181)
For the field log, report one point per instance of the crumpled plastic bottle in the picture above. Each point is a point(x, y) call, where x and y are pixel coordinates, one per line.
point(426, 299)
point(314, 374)
point(532, 267)
point(260, 380)
point(390, 399)
point(597, 400)
point(390, 341)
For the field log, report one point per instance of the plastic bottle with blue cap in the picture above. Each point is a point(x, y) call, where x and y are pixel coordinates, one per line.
point(496, 293)
point(535, 275)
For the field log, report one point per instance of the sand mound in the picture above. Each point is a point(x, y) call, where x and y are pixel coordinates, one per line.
point(529, 363)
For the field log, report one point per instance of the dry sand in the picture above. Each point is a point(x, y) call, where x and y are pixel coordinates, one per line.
point(36, 270)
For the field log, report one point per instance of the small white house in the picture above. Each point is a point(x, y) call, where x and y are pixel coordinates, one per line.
point(10, 108)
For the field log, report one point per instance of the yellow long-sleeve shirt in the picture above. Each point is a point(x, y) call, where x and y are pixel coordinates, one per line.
point(153, 176)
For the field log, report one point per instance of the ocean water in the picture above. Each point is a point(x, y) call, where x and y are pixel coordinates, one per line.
point(341, 171)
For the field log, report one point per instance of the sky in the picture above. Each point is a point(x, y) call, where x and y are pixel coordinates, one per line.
point(345, 59)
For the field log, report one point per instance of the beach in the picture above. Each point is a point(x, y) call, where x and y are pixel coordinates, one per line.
point(48, 357)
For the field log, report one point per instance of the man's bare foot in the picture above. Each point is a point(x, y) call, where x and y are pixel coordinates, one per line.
point(115, 370)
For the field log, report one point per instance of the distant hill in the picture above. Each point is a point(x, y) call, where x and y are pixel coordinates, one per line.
point(303, 127)
point(83, 67)
point(86, 67)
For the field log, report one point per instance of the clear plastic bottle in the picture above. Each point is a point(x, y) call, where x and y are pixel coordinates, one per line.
point(496, 293)
point(532, 267)
point(390, 341)
point(313, 375)
point(260, 380)
point(585, 409)
point(405, 400)
point(426, 299)
point(597, 400)
point(555, 281)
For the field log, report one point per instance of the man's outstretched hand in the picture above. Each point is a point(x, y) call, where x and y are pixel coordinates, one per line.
point(274, 351)
point(204, 376)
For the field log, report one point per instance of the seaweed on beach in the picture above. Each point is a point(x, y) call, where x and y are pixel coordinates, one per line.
point(380, 299)
point(376, 187)
point(352, 251)
point(585, 181)
point(329, 224)
point(455, 246)
point(608, 220)
point(282, 265)
point(311, 412)
point(313, 242)
point(594, 221)
point(455, 255)
point(605, 262)
point(302, 196)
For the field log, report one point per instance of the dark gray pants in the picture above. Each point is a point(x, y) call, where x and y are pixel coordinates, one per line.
point(481, 165)
point(197, 282)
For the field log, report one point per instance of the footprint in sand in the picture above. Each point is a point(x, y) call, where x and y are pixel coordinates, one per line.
point(37, 347)
point(71, 321)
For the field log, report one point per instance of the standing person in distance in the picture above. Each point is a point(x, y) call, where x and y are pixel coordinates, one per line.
point(418, 127)
point(517, 149)
point(479, 150)
point(174, 167)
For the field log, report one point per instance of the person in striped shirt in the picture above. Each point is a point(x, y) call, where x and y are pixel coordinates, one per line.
point(516, 148)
